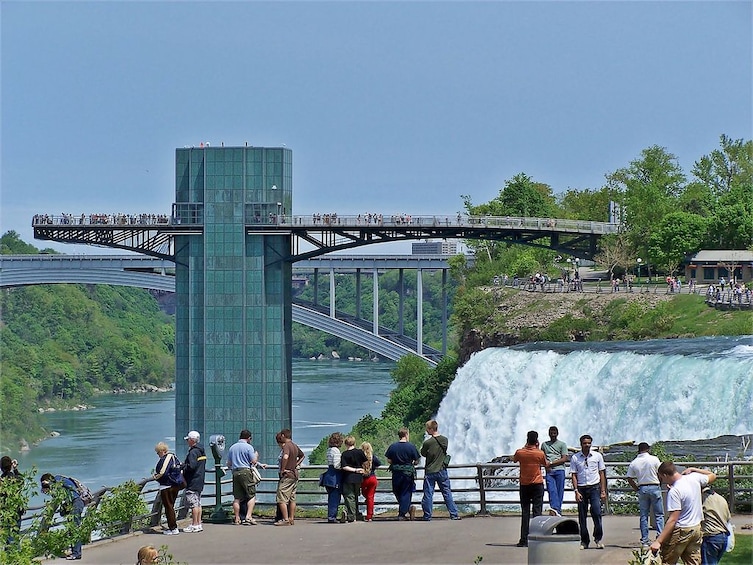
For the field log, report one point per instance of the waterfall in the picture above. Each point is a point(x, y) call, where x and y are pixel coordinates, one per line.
point(640, 391)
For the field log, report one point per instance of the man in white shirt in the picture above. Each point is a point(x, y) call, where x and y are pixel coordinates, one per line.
point(642, 476)
point(681, 537)
point(589, 477)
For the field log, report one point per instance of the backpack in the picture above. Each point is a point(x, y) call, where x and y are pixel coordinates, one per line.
point(83, 491)
point(174, 474)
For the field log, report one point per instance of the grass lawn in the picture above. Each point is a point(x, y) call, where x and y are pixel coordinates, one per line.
point(743, 552)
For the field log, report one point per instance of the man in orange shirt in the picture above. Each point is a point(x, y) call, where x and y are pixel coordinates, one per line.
point(531, 460)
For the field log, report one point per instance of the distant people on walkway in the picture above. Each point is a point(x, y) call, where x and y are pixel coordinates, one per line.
point(370, 481)
point(681, 537)
point(531, 460)
point(556, 455)
point(716, 518)
point(403, 457)
point(434, 449)
point(353, 472)
point(334, 458)
point(194, 468)
point(71, 504)
point(168, 492)
point(588, 474)
point(643, 478)
point(291, 459)
point(240, 458)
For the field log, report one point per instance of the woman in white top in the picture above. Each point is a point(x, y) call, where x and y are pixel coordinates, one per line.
point(333, 461)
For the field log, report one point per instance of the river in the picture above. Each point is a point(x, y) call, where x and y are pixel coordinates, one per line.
point(114, 440)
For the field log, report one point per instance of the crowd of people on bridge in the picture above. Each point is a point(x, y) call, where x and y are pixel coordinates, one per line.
point(101, 219)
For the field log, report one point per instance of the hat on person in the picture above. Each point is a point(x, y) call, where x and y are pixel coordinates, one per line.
point(193, 435)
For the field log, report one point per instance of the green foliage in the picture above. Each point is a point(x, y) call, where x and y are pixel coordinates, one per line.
point(62, 343)
point(121, 510)
point(677, 235)
point(743, 552)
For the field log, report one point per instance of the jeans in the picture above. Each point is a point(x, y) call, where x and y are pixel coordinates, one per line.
point(649, 500)
point(333, 501)
point(590, 496)
point(555, 486)
point(78, 510)
point(402, 487)
point(530, 495)
point(713, 548)
point(442, 479)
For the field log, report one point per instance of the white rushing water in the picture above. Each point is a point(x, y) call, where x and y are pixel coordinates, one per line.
point(642, 391)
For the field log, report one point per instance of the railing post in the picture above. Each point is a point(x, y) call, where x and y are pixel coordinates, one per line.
point(731, 494)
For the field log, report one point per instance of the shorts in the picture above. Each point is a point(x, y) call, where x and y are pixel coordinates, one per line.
point(243, 485)
point(286, 490)
point(193, 499)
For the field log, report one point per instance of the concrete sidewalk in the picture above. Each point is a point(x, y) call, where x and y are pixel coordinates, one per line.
point(384, 540)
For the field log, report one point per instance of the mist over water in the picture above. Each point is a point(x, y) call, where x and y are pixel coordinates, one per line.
point(621, 391)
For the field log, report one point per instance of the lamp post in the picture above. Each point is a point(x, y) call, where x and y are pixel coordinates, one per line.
point(639, 261)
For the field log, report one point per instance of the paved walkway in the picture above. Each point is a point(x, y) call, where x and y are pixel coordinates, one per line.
point(382, 541)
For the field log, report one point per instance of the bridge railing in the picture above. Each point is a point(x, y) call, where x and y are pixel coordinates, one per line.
point(339, 221)
point(482, 488)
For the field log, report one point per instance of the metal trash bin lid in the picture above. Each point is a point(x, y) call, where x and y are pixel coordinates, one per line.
point(553, 528)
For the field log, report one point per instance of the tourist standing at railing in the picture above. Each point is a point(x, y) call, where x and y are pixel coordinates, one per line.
point(290, 462)
point(334, 458)
point(168, 492)
point(403, 457)
point(557, 455)
point(370, 481)
point(642, 476)
point(531, 460)
point(240, 458)
point(10, 472)
point(353, 472)
point(681, 537)
point(194, 468)
point(435, 472)
point(588, 473)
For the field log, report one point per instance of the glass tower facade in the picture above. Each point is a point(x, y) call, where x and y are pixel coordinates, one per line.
point(233, 294)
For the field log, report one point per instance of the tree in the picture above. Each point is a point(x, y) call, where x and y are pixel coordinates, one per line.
point(615, 251)
point(725, 168)
point(592, 205)
point(677, 235)
point(649, 188)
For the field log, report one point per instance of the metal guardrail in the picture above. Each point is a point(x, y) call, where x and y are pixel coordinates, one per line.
point(483, 486)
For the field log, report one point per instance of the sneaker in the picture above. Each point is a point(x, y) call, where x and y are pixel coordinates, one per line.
point(198, 528)
point(583, 546)
point(189, 529)
point(343, 516)
point(598, 545)
point(282, 523)
point(553, 512)
point(455, 518)
point(412, 512)
point(174, 532)
point(73, 557)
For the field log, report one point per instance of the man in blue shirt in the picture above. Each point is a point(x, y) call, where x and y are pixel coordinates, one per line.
point(240, 457)
point(73, 504)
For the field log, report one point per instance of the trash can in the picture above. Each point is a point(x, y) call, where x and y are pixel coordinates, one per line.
point(553, 540)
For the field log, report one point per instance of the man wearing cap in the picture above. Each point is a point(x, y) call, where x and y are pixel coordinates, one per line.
point(643, 478)
point(681, 536)
point(240, 457)
point(194, 468)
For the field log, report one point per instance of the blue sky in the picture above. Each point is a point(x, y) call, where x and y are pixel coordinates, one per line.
point(389, 107)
